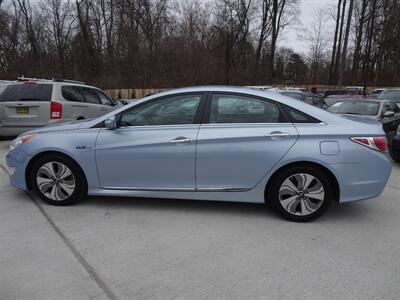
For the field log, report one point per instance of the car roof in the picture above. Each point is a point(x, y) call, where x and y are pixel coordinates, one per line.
point(316, 112)
point(48, 81)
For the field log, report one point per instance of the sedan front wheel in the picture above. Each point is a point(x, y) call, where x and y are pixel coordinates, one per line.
point(58, 180)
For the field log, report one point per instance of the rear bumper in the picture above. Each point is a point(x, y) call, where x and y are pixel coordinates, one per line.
point(364, 180)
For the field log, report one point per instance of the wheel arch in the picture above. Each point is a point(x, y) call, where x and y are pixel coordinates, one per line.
point(331, 177)
point(28, 168)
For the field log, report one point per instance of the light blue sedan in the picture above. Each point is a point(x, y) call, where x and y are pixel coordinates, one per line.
point(208, 143)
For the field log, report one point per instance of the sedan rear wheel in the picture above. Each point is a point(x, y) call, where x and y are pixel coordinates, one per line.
point(58, 180)
point(301, 193)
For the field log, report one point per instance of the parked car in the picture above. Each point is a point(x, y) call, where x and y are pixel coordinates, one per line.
point(391, 94)
point(28, 104)
point(386, 112)
point(395, 151)
point(338, 92)
point(208, 143)
point(306, 97)
point(335, 98)
point(376, 92)
point(358, 90)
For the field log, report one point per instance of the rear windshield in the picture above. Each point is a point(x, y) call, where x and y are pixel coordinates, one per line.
point(297, 96)
point(390, 95)
point(27, 92)
point(366, 108)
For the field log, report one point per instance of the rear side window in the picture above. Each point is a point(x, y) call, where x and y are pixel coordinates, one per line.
point(297, 116)
point(242, 109)
point(72, 93)
point(27, 92)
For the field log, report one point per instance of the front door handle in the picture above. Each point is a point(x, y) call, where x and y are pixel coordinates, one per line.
point(180, 140)
point(278, 134)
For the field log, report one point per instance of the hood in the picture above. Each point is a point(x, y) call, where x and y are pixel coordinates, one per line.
point(60, 126)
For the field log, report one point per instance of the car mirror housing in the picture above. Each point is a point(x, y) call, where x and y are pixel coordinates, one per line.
point(388, 114)
point(110, 123)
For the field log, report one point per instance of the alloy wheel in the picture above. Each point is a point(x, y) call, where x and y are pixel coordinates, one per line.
point(55, 181)
point(301, 194)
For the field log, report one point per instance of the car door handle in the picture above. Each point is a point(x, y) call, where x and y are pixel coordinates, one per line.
point(278, 134)
point(180, 140)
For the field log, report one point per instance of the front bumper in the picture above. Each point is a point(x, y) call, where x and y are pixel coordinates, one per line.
point(18, 160)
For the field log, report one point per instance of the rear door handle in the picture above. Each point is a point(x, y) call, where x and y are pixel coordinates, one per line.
point(180, 140)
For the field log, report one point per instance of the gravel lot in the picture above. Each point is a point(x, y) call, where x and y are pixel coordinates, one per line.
point(120, 248)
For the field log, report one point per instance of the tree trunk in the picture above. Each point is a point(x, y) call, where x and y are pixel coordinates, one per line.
point(346, 40)
point(335, 42)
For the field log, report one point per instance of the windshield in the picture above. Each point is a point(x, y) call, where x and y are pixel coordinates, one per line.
point(390, 95)
point(367, 108)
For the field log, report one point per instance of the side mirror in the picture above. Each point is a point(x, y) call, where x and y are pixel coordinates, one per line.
point(110, 123)
point(388, 114)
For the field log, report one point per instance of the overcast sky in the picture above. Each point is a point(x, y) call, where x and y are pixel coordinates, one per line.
point(307, 10)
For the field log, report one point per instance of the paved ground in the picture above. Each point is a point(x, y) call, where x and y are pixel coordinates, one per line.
point(168, 249)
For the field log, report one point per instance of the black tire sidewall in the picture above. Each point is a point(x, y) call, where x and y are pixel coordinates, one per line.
point(80, 184)
point(281, 177)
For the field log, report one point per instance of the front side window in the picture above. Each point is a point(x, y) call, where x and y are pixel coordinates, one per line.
point(90, 95)
point(176, 110)
point(104, 98)
point(242, 109)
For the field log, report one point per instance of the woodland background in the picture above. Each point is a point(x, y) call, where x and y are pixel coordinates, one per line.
point(171, 43)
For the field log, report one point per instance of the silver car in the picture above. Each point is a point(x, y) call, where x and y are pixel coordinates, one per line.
point(29, 104)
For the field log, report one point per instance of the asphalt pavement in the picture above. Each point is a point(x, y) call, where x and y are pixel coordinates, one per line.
point(130, 248)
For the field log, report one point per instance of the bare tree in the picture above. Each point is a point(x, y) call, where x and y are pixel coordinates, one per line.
point(60, 21)
point(317, 39)
point(282, 13)
point(342, 63)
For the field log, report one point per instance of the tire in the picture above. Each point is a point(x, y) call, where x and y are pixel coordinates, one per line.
point(58, 180)
point(310, 202)
point(394, 157)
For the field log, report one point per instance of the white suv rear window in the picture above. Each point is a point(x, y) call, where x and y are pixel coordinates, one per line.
point(27, 92)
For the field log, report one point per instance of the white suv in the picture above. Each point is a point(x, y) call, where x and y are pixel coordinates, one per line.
point(30, 103)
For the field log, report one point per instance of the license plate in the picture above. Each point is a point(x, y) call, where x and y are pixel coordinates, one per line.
point(22, 110)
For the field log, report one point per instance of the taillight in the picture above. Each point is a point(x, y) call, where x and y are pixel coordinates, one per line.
point(377, 143)
point(55, 110)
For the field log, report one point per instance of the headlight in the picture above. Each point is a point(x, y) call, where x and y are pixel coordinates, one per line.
point(20, 140)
